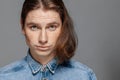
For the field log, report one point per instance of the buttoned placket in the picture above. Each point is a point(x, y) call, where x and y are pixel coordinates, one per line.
point(44, 72)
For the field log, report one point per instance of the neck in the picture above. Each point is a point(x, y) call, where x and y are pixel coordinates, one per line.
point(43, 59)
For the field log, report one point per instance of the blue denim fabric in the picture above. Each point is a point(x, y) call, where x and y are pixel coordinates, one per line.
point(29, 69)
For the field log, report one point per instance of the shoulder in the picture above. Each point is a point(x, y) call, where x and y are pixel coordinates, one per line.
point(13, 67)
point(80, 70)
point(78, 65)
point(73, 64)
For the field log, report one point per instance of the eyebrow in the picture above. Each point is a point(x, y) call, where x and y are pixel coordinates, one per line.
point(58, 24)
point(37, 24)
point(31, 23)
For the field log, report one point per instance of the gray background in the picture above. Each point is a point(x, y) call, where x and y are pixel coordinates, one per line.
point(97, 23)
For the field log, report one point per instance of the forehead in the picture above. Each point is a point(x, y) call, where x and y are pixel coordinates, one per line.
point(41, 15)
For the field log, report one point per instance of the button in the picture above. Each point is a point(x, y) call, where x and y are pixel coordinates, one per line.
point(44, 79)
point(43, 69)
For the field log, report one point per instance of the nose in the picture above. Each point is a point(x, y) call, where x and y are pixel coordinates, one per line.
point(43, 39)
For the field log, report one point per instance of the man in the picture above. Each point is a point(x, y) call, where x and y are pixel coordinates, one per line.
point(50, 35)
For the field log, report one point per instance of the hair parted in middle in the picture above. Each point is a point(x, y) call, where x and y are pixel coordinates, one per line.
point(67, 41)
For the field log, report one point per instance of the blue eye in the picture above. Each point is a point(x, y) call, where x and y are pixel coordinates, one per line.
point(52, 28)
point(34, 28)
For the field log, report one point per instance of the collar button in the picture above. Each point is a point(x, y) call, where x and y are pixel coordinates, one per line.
point(44, 79)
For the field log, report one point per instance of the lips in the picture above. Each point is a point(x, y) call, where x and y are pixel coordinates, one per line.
point(43, 48)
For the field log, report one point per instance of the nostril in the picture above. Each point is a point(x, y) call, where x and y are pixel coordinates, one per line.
point(42, 42)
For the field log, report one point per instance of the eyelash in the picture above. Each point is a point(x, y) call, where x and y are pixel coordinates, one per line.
point(34, 28)
point(51, 28)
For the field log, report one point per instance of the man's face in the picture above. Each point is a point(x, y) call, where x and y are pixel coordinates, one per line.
point(42, 29)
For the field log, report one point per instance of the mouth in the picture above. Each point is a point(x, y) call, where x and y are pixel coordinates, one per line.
point(43, 48)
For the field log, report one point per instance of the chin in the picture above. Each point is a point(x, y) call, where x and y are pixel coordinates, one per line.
point(43, 53)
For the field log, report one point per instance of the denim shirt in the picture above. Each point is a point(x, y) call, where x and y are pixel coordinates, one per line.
point(29, 69)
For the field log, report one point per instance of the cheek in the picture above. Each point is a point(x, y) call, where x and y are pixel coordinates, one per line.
point(54, 36)
point(30, 37)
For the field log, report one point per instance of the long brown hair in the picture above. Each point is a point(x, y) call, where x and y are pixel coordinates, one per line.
point(67, 41)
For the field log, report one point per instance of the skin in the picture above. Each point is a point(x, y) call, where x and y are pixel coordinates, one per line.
point(42, 29)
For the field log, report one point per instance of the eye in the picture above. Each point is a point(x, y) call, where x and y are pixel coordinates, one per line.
point(34, 28)
point(52, 27)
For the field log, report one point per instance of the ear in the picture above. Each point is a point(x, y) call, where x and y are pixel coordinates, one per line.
point(22, 29)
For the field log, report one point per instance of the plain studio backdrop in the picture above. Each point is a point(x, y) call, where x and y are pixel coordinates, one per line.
point(97, 23)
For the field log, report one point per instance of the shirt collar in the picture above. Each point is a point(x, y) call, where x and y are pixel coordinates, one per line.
point(36, 66)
